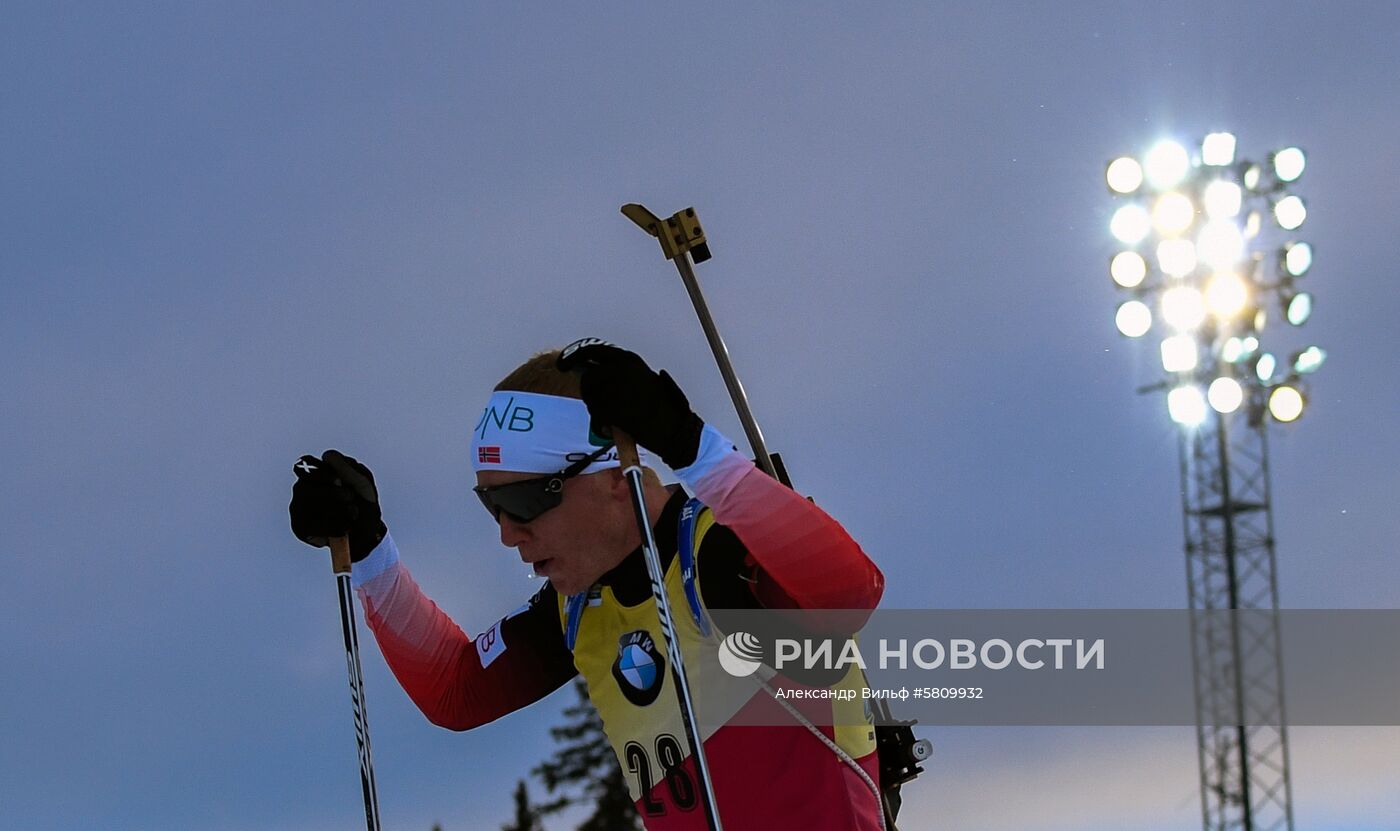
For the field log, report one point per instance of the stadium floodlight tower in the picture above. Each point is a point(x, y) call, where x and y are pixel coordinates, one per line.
point(1207, 257)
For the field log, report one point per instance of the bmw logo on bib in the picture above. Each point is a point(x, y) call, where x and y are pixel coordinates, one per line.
point(639, 668)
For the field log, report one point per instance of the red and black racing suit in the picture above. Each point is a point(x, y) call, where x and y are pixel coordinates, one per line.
point(769, 548)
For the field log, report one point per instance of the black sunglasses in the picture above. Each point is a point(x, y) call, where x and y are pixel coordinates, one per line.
point(525, 500)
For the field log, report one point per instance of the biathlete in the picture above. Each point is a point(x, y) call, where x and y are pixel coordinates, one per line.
point(547, 472)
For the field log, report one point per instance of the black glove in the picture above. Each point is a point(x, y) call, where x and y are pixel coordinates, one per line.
point(334, 496)
point(621, 390)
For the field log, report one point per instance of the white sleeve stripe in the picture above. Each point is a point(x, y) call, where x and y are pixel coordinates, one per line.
point(384, 557)
point(714, 448)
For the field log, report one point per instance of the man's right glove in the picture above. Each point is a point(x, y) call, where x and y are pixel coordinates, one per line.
point(334, 496)
point(622, 391)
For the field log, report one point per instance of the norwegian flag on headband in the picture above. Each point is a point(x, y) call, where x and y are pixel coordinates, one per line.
point(489, 454)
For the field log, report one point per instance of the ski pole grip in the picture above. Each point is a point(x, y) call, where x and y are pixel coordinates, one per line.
point(340, 555)
point(626, 449)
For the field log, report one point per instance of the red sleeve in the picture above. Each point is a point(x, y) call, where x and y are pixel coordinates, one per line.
point(806, 553)
point(457, 681)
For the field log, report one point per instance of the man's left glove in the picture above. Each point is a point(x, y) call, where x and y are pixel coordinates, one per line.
point(621, 390)
point(335, 496)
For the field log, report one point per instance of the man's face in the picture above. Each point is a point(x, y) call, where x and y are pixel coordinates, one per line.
point(575, 543)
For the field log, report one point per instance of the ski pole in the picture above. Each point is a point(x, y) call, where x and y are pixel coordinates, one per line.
point(340, 564)
point(632, 469)
point(680, 236)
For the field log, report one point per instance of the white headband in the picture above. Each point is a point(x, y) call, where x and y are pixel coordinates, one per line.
point(526, 432)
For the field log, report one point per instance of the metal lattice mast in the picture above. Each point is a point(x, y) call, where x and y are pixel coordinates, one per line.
point(1198, 247)
point(1241, 728)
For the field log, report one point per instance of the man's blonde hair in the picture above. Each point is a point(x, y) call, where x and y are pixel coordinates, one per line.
point(541, 375)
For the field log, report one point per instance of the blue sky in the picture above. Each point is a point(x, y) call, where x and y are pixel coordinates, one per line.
point(232, 235)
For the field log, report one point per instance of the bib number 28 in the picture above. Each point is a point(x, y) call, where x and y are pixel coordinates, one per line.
point(672, 763)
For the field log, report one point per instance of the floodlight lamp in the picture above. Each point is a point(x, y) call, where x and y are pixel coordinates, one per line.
point(1133, 318)
point(1251, 345)
point(1128, 268)
point(1176, 257)
point(1124, 175)
point(1130, 224)
point(1222, 199)
point(1173, 213)
point(1298, 308)
point(1264, 367)
point(1232, 351)
point(1308, 360)
point(1183, 308)
point(1225, 395)
point(1260, 319)
point(1285, 403)
point(1297, 258)
point(1226, 295)
point(1289, 163)
point(1290, 212)
point(1252, 224)
point(1220, 245)
point(1218, 149)
point(1179, 353)
point(1166, 164)
point(1186, 406)
point(1251, 177)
